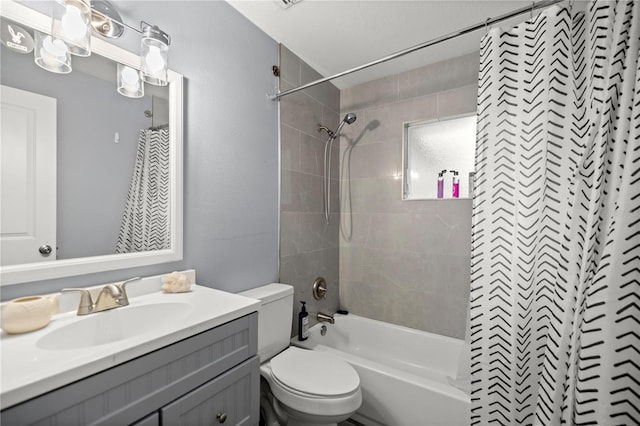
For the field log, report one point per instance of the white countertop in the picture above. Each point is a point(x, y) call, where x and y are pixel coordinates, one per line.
point(27, 370)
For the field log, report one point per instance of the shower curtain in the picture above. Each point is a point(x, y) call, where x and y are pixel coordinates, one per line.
point(555, 293)
point(145, 223)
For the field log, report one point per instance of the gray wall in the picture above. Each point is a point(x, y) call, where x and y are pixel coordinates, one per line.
point(403, 262)
point(93, 172)
point(308, 246)
point(231, 147)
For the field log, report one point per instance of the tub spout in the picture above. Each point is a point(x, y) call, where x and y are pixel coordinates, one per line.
point(322, 317)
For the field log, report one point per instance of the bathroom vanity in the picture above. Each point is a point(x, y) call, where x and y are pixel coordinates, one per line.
point(201, 367)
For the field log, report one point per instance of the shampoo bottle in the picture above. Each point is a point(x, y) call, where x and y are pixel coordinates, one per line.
point(303, 323)
point(441, 184)
point(455, 192)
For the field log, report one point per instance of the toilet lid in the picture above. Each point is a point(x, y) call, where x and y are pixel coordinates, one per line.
point(316, 373)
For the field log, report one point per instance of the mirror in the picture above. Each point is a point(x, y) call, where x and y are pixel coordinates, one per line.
point(438, 158)
point(95, 156)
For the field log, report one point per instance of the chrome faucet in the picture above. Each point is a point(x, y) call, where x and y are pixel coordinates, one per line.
point(111, 296)
point(322, 317)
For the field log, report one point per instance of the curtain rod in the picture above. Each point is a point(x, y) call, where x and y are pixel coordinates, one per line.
point(489, 21)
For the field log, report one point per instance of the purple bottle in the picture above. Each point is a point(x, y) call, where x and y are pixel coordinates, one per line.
point(441, 184)
point(455, 193)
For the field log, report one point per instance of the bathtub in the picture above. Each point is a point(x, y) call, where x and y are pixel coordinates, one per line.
point(404, 373)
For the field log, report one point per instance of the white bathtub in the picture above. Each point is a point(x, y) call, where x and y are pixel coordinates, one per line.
point(403, 372)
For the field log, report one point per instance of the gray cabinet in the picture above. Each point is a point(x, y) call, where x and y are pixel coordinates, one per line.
point(189, 382)
point(150, 420)
point(219, 401)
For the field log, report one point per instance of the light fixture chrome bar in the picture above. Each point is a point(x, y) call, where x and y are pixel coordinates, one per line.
point(437, 40)
point(93, 10)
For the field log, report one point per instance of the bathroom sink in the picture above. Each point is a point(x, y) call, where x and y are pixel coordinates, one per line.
point(113, 325)
point(74, 347)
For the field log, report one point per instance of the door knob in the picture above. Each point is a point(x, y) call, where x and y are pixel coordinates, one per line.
point(222, 417)
point(45, 249)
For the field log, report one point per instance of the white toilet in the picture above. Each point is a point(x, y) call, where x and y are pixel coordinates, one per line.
point(300, 387)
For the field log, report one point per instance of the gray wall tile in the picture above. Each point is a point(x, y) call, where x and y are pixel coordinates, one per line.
point(441, 76)
point(302, 112)
point(377, 92)
point(301, 192)
point(290, 148)
point(309, 248)
point(301, 270)
point(290, 67)
point(377, 160)
point(289, 233)
point(311, 155)
point(404, 262)
point(325, 93)
point(458, 101)
point(315, 234)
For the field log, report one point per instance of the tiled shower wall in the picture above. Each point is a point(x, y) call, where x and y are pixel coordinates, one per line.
point(403, 262)
point(309, 248)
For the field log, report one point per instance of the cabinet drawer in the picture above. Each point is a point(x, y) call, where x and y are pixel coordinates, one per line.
point(228, 399)
point(128, 392)
point(152, 420)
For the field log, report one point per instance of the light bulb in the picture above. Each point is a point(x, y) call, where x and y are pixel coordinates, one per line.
point(129, 82)
point(154, 46)
point(154, 60)
point(51, 54)
point(72, 23)
point(54, 50)
point(131, 79)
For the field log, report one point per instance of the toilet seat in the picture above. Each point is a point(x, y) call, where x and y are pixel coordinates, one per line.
point(312, 382)
point(314, 373)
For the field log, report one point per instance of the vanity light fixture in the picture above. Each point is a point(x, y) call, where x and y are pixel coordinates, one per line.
point(154, 49)
point(105, 19)
point(70, 22)
point(130, 82)
point(51, 54)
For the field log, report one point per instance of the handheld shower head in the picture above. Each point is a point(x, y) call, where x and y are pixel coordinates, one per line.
point(349, 118)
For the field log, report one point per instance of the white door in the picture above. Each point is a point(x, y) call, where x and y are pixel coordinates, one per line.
point(27, 177)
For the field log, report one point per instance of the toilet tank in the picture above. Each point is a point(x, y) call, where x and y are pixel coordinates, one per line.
point(274, 318)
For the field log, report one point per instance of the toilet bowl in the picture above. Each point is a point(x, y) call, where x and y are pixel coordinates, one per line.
point(300, 387)
point(313, 387)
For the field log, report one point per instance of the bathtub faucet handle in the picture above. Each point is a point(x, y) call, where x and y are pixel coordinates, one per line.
point(319, 288)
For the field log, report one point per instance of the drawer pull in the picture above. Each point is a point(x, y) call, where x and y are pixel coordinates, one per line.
point(222, 417)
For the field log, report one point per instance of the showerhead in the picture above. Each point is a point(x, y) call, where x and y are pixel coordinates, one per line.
point(349, 118)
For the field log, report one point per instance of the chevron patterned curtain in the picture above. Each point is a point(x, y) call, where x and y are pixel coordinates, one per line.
point(555, 297)
point(145, 222)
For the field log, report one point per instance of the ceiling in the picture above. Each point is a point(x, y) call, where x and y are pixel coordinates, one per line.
point(336, 35)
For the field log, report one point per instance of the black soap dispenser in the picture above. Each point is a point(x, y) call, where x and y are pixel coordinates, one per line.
point(303, 323)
